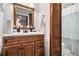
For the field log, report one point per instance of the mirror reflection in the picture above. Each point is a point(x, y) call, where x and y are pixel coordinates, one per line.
point(23, 18)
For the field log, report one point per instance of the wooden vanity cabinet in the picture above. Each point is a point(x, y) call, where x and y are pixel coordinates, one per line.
point(29, 45)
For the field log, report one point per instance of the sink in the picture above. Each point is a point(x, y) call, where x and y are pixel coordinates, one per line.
point(21, 33)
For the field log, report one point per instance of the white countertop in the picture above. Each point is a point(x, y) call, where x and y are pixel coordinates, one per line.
point(19, 34)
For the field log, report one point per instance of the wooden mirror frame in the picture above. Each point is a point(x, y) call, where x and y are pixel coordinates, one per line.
point(14, 7)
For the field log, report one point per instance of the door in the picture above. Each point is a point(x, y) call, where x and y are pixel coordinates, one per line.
point(39, 48)
point(55, 29)
point(28, 49)
point(14, 50)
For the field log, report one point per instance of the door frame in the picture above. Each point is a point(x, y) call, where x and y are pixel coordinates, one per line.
point(51, 11)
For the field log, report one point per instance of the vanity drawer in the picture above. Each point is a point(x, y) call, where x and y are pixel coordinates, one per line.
point(10, 41)
point(31, 38)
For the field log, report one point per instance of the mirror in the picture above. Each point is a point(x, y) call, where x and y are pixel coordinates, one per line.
point(23, 17)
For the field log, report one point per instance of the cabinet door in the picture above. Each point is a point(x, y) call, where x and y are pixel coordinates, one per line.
point(39, 48)
point(13, 50)
point(28, 49)
point(55, 29)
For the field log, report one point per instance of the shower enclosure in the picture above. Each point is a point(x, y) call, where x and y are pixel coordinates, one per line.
point(70, 29)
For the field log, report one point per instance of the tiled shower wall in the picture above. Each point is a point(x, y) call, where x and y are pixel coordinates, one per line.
point(70, 28)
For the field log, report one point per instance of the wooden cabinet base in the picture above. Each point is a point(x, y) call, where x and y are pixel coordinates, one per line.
point(30, 45)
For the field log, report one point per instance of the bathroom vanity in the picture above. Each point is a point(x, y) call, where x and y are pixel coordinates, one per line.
point(23, 44)
point(24, 39)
